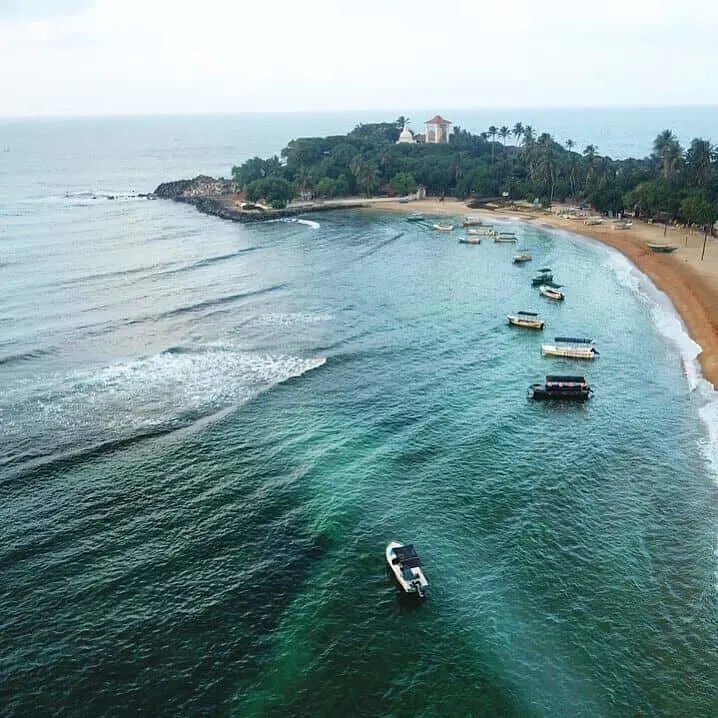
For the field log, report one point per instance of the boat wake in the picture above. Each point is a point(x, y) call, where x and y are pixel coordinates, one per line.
point(78, 411)
point(298, 220)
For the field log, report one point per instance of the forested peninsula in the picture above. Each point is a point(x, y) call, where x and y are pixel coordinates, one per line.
point(672, 184)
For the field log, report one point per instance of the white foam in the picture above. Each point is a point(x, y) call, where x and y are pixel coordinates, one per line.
point(297, 220)
point(291, 318)
point(155, 391)
point(671, 327)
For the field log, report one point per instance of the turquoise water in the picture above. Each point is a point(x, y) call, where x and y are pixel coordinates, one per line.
point(211, 431)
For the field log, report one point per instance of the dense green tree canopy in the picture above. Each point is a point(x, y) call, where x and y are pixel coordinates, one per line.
point(671, 183)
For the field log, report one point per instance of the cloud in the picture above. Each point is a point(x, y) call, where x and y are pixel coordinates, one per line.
point(134, 56)
point(33, 9)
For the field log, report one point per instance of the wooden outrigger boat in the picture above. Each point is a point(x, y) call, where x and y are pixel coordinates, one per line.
point(662, 248)
point(552, 291)
point(522, 258)
point(527, 320)
point(571, 348)
point(443, 227)
point(574, 388)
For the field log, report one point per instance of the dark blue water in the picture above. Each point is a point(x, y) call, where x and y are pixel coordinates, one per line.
point(211, 431)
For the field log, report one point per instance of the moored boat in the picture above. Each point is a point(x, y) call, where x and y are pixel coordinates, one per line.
point(505, 238)
point(543, 276)
point(481, 231)
point(405, 564)
point(416, 217)
point(527, 320)
point(573, 388)
point(571, 348)
point(522, 258)
point(552, 291)
point(472, 220)
point(662, 248)
point(443, 227)
point(470, 240)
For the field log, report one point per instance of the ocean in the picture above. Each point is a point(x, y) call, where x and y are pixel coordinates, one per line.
point(210, 432)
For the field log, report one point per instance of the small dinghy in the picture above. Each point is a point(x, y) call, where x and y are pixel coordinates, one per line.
point(522, 258)
point(443, 227)
point(662, 248)
point(552, 291)
point(405, 564)
point(470, 240)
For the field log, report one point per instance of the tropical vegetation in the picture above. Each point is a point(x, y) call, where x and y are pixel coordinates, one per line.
point(673, 183)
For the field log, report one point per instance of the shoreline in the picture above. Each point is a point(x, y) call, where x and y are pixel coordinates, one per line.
point(689, 283)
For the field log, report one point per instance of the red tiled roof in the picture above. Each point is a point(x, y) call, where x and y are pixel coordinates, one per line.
point(437, 120)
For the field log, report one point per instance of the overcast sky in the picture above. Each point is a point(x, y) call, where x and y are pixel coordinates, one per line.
point(96, 57)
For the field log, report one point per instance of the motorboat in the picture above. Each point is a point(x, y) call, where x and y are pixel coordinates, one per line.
point(543, 276)
point(571, 348)
point(405, 564)
point(552, 291)
point(416, 217)
point(443, 227)
point(522, 258)
point(472, 220)
point(505, 238)
point(573, 388)
point(470, 240)
point(527, 320)
point(662, 248)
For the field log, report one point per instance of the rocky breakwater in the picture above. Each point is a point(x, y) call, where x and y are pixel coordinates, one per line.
point(221, 198)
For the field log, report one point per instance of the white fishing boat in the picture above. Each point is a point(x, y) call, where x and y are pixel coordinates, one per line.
point(522, 258)
point(506, 237)
point(552, 291)
point(591, 221)
point(472, 220)
point(527, 320)
point(405, 565)
point(571, 348)
point(622, 225)
point(470, 240)
point(443, 227)
point(481, 231)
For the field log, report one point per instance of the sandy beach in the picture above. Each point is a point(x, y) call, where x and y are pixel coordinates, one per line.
point(690, 283)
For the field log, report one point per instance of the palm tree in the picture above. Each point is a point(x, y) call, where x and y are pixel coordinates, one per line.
point(590, 154)
point(570, 144)
point(698, 160)
point(528, 135)
point(667, 150)
point(504, 132)
point(518, 131)
point(492, 133)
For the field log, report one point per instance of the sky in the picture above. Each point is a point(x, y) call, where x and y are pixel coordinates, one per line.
point(109, 57)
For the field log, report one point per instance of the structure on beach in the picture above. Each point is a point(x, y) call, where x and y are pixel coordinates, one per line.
point(437, 130)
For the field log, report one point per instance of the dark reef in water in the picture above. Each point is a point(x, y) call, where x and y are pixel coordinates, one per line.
point(220, 198)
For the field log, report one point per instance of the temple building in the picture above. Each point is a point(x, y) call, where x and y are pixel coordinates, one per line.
point(405, 138)
point(437, 130)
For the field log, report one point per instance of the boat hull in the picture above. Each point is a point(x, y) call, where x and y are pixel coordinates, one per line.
point(525, 323)
point(551, 293)
point(569, 352)
point(411, 581)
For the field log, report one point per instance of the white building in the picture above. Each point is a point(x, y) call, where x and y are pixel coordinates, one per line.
point(405, 138)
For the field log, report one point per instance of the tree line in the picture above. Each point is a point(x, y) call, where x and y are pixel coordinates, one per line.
point(673, 183)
